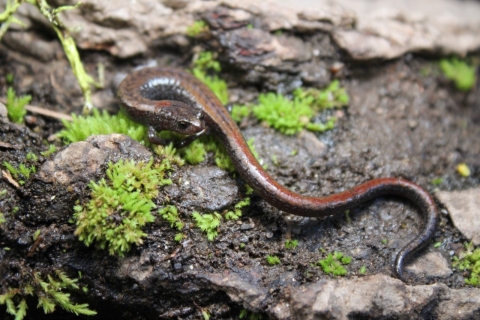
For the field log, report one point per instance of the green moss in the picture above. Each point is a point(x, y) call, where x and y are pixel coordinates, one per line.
point(51, 150)
point(273, 260)
point(120, 205)
point(239, 112)
point(333, 264)
point(437, 181)
point(32, 156)
point(20, 174)
point(208, 223)
point(16, 105)
point(217, 85)
point(195, 152)
point(460, 72)
point(291, 116)
point(50, 293)
point(236, 213)
point(205, 64)
point(469, 260)
point(197, 28)
point(81, 127)
point(170, 213)
point(291, 244)
point(2, 218)
point(206, 61)
point(362, 270)
point(333, 96)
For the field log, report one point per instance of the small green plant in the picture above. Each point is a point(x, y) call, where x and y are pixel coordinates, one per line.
point(362, 270)
point(469, 260)
point(437, 181)
point(81, 127)
point(16, 105)
point(437, 244)
point(239, 112)
point(195, 152)
point(333, 263)
point(170, 213)
point(273, 260)
point(51, 149)
point(197, 28)
point(291, 116)
point(2, 218)
point(291, 244)
point(333, 96)
point(32, 156)
point(50, 293)
point(120, 205)
point(179, 237)
point(63, 34)
point(206, 61)
point(22, 173)
point(460, 72)
point(236, 213)
point(208, 223)
point(203, 65)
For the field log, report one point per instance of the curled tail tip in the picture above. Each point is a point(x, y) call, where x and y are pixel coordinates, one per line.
point(399, 266)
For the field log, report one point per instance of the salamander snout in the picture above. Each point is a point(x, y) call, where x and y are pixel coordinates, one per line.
point(191, 124)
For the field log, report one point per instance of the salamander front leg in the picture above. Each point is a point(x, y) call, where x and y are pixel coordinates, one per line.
point(155, 139)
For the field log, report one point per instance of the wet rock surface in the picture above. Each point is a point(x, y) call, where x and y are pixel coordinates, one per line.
point(463, 207)
point(404, 120)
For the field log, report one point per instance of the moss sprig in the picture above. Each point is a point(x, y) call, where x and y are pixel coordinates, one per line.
point(16, 105)
point(121, 205)
point(50, 293)
point(334, 263)
point(81, 127)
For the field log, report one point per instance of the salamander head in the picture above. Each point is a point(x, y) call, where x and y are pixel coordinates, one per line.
point(183, 119)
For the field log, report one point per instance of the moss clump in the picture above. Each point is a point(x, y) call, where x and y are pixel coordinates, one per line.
point(82, 127)
point(51, 293)
point(22, 173)
point(51, 150)
point(460, 72)
point(208, 223)
point(333, 264)
point(469, 261)
point(170, 213)
point(290, 116)
point(120, 205)
point(236, 213)
point(273, 260)
point(197, 28)
point(16, 105)
point(204, 65)
point(291, 244)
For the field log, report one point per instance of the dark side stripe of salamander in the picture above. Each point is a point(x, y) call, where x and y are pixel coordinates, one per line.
point(222, 126)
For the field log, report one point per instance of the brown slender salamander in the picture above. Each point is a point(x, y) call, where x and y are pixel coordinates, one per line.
point(174, 100)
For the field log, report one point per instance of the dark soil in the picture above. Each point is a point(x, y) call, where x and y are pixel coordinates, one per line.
point(400, 123)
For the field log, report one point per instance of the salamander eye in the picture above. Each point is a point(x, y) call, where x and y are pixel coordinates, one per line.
point(183, 124)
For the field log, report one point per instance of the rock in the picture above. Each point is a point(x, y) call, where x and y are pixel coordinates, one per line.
point(432, 264)
point(3, 112)
point(459, 304)
point(30, 44)
point(242, 287)
point(83, 161)
point(204, 188)
point(312, 145)
point(363, 29)
point(377, 296)
point(463, 209)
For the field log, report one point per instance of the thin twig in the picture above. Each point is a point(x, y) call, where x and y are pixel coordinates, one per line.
point(43, 111)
